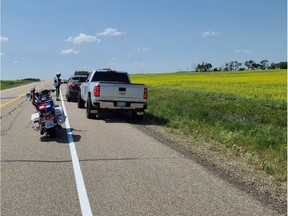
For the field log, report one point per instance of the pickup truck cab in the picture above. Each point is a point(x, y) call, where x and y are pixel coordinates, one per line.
point(107, 89)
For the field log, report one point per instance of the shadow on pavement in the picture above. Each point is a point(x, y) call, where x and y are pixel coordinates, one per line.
point(61, 136)
point(125, 117)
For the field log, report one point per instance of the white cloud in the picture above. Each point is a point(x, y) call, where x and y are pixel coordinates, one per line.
point(210, 34)
point(243, 51)
point(83, 38)
point(1, 54)
point(68, 51)
point(138, 64)
point(142, 49)
point(113, 62)
point(110, 32)
point(4, 39)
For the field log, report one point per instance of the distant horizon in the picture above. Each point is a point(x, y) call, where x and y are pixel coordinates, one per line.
point(171, 72)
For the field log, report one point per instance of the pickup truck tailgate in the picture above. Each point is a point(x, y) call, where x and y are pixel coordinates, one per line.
point(122, 92)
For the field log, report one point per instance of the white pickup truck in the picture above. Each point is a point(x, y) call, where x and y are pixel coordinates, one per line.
point(106, 89)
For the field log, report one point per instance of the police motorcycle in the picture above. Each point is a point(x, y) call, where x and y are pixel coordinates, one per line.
point(48, 116)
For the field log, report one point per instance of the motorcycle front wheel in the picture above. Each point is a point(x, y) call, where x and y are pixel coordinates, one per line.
point(51, 132)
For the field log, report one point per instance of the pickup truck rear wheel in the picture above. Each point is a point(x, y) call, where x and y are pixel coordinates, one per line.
point(89, 109)
point(80, 102)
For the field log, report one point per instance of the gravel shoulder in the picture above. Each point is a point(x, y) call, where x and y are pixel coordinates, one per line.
point(233, 169)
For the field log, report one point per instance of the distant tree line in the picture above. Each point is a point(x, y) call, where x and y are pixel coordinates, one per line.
point(81, 73)
point(238, 66)
point(31, 79)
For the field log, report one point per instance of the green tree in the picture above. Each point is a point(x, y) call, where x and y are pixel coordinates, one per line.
point(250, 64)
point(232, 66)
point(81, 73)
point(274, 66)
point(283, 65)
point(264, 64)
point(203, 67)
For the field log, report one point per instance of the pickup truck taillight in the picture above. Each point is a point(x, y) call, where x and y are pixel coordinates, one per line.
point(145, 95)
point(97, 91)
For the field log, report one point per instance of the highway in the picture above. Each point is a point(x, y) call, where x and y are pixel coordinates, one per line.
point(105, 166)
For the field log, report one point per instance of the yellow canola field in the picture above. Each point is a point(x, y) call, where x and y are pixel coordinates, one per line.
point(270, 85)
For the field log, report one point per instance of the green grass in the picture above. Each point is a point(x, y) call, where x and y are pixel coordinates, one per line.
point(230, 121)
point(6, 84)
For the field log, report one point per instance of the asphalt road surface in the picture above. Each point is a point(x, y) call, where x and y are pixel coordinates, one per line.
point(103, 167)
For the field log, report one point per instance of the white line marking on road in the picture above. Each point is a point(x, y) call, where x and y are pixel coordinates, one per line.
point(82, 194)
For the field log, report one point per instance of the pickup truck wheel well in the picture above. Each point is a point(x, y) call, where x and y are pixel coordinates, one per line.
point(89, 108)
point(80, 102)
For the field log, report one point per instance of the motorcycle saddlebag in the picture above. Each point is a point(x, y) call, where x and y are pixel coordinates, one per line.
point(35, 118)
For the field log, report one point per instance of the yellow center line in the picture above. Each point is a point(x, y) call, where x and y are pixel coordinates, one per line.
point(19, 96)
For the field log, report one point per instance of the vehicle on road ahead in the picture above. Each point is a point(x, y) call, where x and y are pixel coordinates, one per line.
point(107, 89)
point(73, 86)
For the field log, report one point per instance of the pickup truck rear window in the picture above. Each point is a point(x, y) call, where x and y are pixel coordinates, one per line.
point(110, 77)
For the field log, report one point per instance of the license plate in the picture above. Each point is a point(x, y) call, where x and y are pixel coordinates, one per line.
point(121, 104)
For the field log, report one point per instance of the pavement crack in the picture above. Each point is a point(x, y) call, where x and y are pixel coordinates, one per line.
point(86, 160)
point(35, 161)
point(127, 159)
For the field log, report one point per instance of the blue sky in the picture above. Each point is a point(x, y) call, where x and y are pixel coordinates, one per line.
point(42, 37)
